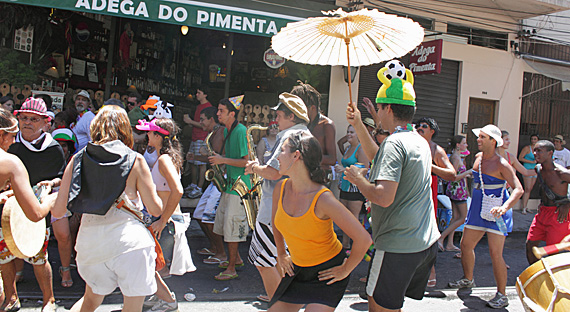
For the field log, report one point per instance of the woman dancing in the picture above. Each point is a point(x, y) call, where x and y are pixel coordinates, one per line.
point(166, 176)
point(106, 182)
point(316, 271)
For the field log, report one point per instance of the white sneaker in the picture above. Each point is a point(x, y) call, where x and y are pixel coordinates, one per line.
point(163, 306)
point(150, 302)
point(499, 301)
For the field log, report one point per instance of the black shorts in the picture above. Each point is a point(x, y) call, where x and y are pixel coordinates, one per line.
point(457, 202)
point(305, 288)
point(354, 196)
point(395, 275)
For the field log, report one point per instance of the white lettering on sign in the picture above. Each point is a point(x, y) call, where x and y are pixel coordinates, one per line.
point(423, 52)
point(164, 11)
point(201, 17)
point(421, 68)
point(180, 14)
point(272, 28)
point(125, 10)
point(113, 6)
point(223, 22)
point(235, 22)
point(126, 7)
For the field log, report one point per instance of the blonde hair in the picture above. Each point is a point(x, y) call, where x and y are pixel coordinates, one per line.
point(110, 124)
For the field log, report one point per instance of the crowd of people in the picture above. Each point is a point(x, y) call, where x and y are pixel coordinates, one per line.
point(118, 175)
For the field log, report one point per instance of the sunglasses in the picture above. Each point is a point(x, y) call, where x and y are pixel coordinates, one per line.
point(422, 126)
point(131, 103)
point(31, 119)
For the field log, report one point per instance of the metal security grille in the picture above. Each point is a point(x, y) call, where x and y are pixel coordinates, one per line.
point(436, 95)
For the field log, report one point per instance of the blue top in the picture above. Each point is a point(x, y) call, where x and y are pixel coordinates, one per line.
point(529, 166)
point(474, 212)
point(347, 162)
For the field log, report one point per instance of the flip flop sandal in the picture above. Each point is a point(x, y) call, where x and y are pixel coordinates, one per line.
point(224, 264)
point(225, 277)
point(212, 260)
point(457, 255)
point(205, 252)
point(13, 306)
point(455, 248)
point(263, 298)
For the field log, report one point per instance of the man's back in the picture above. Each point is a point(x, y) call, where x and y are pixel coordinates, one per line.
point(408, 225)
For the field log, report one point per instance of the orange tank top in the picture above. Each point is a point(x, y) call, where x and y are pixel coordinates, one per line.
point(311, 240)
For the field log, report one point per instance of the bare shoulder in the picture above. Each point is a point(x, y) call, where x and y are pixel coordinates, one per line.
point(327, 200)
point(10, 163)
point(440, 151)
point(139, 164)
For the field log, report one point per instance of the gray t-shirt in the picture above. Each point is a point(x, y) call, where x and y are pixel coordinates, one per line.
point(267, 186)
point(408, 225)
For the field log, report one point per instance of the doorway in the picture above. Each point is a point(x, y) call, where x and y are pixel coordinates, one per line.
point(481, 113)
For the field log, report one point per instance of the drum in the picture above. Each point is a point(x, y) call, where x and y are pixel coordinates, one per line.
point(23, 237)
point(544, 285)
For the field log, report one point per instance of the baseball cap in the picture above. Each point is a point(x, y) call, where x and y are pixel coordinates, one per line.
point(82, 93)
point(34, 106)
point(492, 131)
point(294, 103)
point(561, 138)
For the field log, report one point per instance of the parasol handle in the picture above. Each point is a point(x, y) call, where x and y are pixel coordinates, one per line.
point(347, 41)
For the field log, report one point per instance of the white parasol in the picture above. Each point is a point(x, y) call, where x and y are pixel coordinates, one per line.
point(356, 38)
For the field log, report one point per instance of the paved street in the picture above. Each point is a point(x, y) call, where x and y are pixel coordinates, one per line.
point(239, 294)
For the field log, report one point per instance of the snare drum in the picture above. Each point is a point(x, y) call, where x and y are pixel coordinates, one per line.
point(545, 285)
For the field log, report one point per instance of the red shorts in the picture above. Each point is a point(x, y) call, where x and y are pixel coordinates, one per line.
point(434, 184)
point(545, 226)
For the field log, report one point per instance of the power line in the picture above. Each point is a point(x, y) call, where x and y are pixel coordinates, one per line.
point(444, 13)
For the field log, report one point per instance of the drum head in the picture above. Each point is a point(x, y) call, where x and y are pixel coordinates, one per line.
point(23, 237)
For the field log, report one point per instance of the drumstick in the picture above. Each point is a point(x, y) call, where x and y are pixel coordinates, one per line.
point(540, 252)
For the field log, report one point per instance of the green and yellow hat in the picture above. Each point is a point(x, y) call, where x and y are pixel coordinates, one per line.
point(396, 90)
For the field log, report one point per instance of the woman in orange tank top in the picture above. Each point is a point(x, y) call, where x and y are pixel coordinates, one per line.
point(316, 271)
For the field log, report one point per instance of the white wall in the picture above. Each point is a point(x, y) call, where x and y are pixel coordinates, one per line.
point(338, 100)
point(485, 73)
point(489, 74)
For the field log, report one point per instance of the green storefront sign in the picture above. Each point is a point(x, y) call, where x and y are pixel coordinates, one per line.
point(182, 12)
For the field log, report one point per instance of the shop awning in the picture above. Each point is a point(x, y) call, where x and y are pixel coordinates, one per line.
point(262, 18)
point(552, 68)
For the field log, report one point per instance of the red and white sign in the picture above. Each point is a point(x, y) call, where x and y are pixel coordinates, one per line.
point(426, 58)
point(272, 59)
